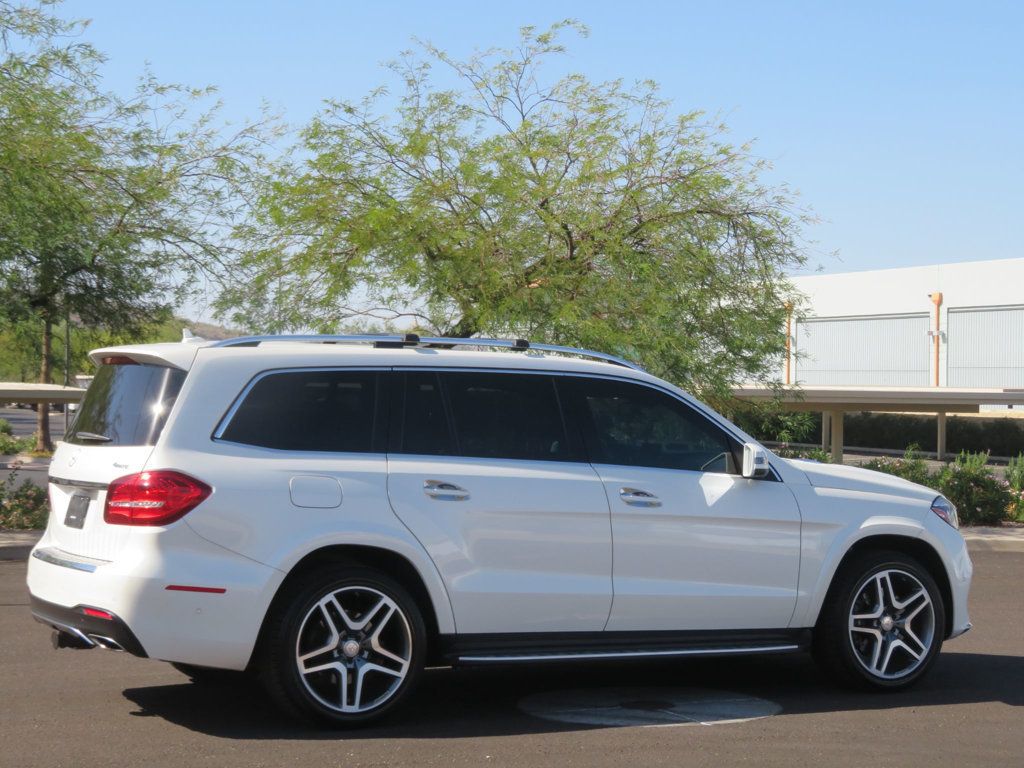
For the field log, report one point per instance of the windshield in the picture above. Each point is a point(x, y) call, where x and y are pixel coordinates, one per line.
point(126, 404)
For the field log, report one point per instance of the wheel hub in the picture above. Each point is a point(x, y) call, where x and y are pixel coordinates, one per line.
point(351, 648)
point(887, 623)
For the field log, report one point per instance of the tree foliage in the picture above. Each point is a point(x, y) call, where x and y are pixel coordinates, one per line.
point(110, 207)
point(565, 210)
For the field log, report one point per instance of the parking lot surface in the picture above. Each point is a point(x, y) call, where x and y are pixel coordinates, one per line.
point(92, 708)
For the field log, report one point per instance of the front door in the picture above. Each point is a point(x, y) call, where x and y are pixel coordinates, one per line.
point(696, 546)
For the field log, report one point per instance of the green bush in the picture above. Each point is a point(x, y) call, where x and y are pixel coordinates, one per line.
point(1015, 479)
point(911, 466)
point(813, 454)
point(980, 498)
point(24, 506)
point(9, 444)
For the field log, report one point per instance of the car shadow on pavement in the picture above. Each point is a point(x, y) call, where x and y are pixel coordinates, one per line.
point(463, 703)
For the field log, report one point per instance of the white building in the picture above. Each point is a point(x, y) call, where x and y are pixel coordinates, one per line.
point(950, 325)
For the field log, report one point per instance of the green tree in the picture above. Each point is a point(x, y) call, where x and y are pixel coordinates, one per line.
point(110, 207)
point(569, 211)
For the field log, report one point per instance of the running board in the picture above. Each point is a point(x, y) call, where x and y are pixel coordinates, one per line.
point(595, 655)
point(594, 646)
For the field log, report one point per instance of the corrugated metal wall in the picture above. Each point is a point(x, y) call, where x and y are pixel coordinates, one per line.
point(887, 350)
point(985, 347)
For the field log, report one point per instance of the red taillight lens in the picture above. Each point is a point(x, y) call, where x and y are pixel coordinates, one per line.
point(153, 498)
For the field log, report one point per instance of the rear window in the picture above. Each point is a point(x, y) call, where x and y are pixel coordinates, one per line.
point(126, 405)
point(333, 411)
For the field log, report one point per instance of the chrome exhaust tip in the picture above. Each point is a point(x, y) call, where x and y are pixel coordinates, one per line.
point(70, 638)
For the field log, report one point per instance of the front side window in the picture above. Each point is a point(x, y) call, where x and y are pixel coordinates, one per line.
point(506, 416)
point(331, 411)
point(635, 425)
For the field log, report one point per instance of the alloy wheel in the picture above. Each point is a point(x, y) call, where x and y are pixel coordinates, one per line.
point(354, 649)
point(891, 624)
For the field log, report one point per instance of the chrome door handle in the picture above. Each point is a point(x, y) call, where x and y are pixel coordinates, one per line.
point(638, 498)
point(444, 491)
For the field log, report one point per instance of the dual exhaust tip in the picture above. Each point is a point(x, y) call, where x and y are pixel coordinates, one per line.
point(73, 638)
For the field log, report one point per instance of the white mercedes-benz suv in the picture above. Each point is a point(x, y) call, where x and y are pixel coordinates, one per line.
point(334, 513)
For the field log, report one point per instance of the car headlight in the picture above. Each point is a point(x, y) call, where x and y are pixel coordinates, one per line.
point(944, 508)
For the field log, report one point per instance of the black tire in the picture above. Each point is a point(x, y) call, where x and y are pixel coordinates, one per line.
point(295, 618)
point(850, 661)
point(209, 675)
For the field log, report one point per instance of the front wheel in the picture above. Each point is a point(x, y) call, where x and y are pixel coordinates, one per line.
point(884, 622)
point(344, 645)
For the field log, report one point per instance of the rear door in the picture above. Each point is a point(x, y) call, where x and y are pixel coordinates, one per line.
point(118, 423)
point(482, 471)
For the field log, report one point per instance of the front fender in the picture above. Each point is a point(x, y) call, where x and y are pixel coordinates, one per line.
point(833, 522)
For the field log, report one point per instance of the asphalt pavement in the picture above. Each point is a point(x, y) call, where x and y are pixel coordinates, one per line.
point(92, 708)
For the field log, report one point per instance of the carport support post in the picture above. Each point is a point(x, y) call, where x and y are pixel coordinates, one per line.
point(940, 439)
point(826, 430)
point(836, 417)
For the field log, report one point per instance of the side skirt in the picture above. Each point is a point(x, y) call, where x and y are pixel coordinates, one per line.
point(584, 646)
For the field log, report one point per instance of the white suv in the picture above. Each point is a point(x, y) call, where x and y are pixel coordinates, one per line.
point(334, 513)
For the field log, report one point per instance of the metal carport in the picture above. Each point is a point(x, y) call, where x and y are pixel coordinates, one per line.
point(835, 401)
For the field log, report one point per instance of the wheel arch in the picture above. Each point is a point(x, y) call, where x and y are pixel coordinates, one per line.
point(394, 564)
point(920, 550)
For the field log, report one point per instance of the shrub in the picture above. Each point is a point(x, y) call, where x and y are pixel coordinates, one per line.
point(9, 444)
point(1015, 479)
point(24, 506)
point(911, 466)
point(980, 498)
point(812, 454)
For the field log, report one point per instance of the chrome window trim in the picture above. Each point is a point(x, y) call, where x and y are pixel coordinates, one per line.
point(712, 416)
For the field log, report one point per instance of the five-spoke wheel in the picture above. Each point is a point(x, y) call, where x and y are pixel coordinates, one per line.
point(343, 644)
point(892, 624)
point(354, 649)
point(883, 621)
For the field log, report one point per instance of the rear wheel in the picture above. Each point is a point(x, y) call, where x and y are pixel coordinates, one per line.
point(344, 646)
point(884, 623)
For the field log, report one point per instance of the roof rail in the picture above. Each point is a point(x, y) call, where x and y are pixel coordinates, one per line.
point(413, 340)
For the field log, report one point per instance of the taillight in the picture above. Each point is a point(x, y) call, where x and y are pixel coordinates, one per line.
point(153, 498)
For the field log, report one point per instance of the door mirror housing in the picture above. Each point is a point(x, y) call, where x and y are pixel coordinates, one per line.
point(755, 461)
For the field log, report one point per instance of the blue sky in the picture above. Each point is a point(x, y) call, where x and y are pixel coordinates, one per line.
point(900, 123)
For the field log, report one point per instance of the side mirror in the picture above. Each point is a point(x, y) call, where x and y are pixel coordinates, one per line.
point(755, 461)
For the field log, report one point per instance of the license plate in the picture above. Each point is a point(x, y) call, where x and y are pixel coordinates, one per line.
point(77, 507)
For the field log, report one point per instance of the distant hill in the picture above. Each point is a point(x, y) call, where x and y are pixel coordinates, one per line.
point(210, 331)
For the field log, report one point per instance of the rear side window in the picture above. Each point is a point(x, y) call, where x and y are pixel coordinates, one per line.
point(635, 425)
point(424, 423)
point(126, 404)
point(333, 411)
point(506, 416)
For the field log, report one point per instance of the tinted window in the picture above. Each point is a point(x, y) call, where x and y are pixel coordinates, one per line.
point(506, 416)
point(639, 426)
point(308, 411)
point(126, 405)
point(424, 424)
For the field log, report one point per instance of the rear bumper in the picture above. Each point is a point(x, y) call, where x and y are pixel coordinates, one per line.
point(148, 590)
point(109, 633)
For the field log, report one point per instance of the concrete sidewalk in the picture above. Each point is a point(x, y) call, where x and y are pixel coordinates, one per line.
point(16, 545)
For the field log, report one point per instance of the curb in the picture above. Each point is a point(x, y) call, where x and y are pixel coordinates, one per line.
point(16, 545)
